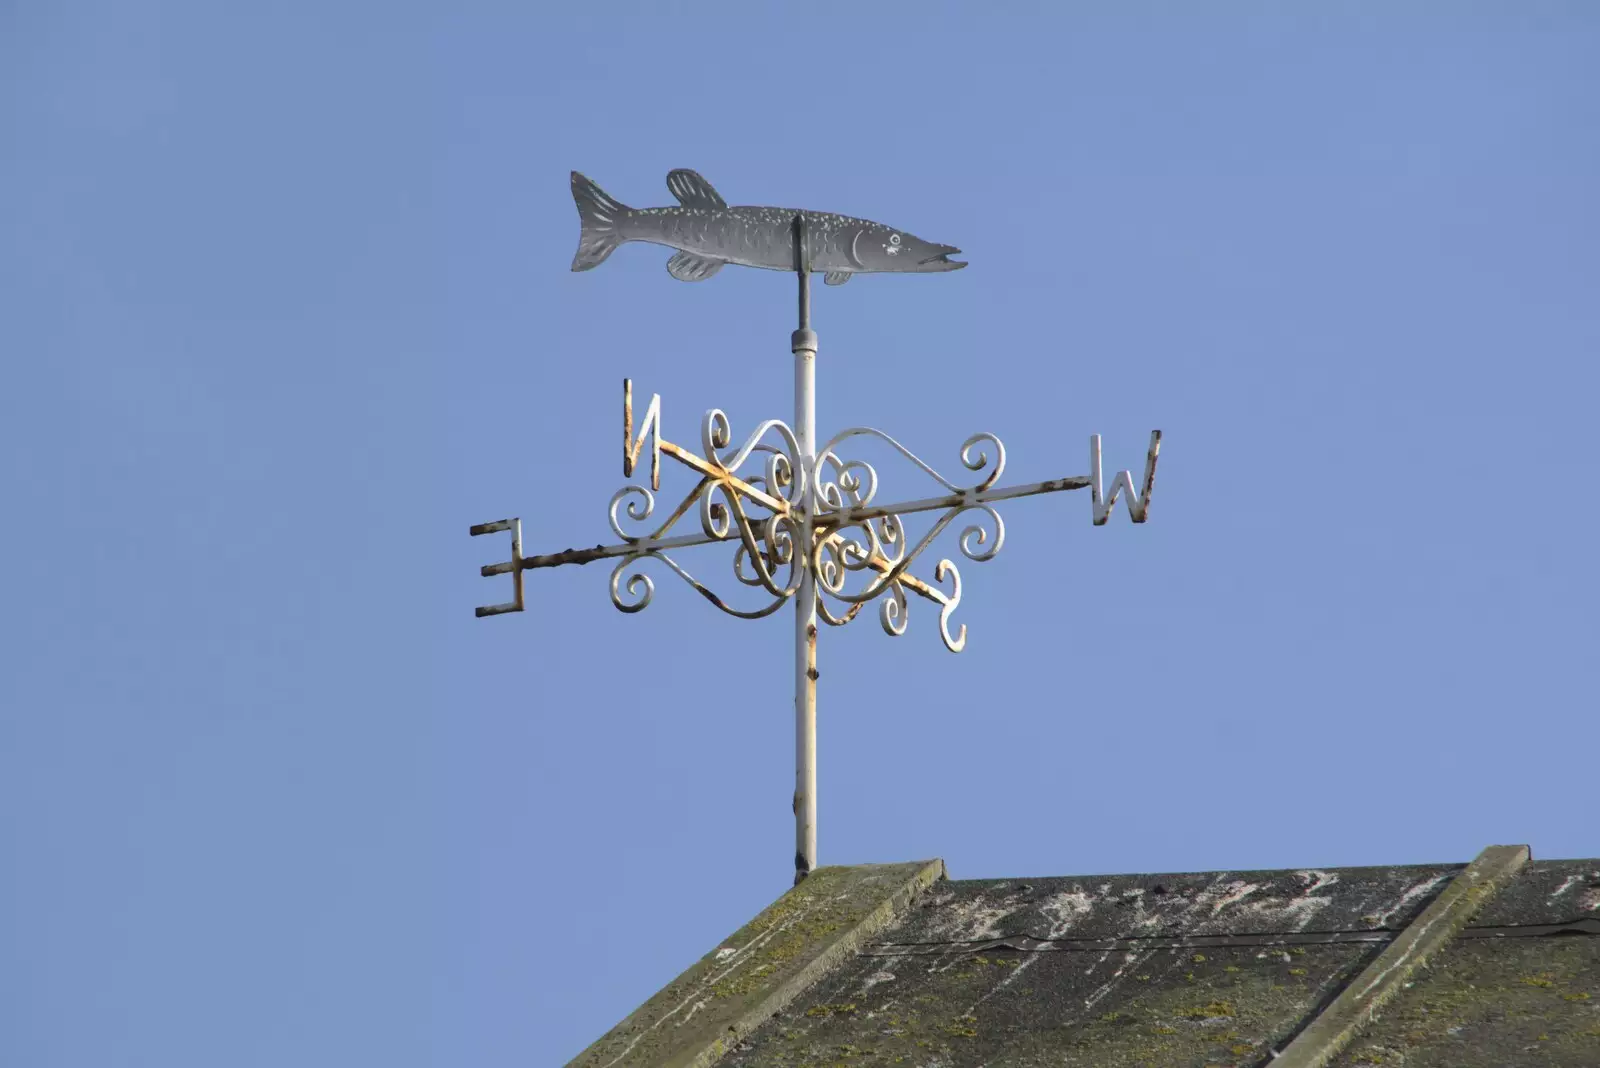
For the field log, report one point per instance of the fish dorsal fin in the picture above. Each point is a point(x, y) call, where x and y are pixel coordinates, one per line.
point(687, 267)
point(694, 191)
point(836, 278)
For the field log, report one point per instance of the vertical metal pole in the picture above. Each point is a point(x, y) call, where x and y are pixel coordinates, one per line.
point(803, 344)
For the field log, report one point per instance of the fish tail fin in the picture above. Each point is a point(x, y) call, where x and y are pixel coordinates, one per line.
point(598, 213)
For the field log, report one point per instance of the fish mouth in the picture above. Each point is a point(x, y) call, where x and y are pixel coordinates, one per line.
point(941, 261)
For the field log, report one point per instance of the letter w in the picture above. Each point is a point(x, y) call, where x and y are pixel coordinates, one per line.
point(1122, 482)
point(631, 446)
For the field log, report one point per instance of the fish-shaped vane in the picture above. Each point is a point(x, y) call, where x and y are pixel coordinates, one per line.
point(708, 234)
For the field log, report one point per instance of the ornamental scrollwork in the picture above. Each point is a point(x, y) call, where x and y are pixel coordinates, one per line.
point(789, 516)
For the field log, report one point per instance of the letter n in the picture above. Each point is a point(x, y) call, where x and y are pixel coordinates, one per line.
point(1122, 483)
point(632, 446)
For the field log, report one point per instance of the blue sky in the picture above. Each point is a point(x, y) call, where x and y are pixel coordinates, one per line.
point(285, 306)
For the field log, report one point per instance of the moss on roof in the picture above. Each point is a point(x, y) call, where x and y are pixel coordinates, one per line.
point(756, 972)
point(1163, 1009)
point(1118, 987)
point(1494, 1002)
point(863, 967)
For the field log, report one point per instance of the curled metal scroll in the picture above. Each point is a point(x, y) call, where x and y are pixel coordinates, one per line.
point(830, 576)
point(638, 601)
point(761, 512)
point(830, 494)
point(782, 468)
point(959, 642)
point(639, 509)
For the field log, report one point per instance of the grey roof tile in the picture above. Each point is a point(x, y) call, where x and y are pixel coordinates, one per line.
point(1168, 971)
point(1129, 973)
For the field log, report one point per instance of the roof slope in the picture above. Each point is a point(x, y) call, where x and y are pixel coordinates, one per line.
point(1170, 971)
point(1147, 970)
point(1494, 1000)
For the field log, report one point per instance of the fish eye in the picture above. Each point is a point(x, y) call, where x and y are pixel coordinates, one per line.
point(894, 239)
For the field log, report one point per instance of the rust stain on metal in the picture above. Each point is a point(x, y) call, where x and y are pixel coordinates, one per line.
point(837, 621)
point(513, 567)
point(627, 428)
point(713, 598)
point(916, 585)
point(723, 476)
point(572, 556)
point(1149, 476)
point(678, 512)
point(652, 430)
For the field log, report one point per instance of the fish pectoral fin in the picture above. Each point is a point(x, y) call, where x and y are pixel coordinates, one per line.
point(837, 278)
point(694, 191)
point(687, 267)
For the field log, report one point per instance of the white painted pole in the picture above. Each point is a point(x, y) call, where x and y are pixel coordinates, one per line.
point(804, 346)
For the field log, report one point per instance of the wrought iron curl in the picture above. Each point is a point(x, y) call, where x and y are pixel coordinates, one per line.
point(765, 542)
point(639, 580)
point(976, 535)
point(781, 532)
point(832, 620)
point(971, 462)
point(778, 537)
point(839, 554)
point(778, 472)
point(782, 468)
point(857, 478)
point(952, 601)
point(977, 463)
point(830, 563)
point(836, 554)
point(638, 510)
point(715, 519)
point(635, 581)
point(973, 535)
point(894, 613)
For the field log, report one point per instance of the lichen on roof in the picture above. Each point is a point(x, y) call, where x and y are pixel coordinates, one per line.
point(1160, 1009)
point(1132, 994)
point(756, 971)
point(1503, 1001)
point(861, 968)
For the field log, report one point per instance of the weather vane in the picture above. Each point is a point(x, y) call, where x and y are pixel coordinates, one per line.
point(804, 521)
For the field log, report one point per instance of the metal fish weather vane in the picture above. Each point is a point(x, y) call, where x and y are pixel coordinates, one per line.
point(803, 520)
point(709, 235)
